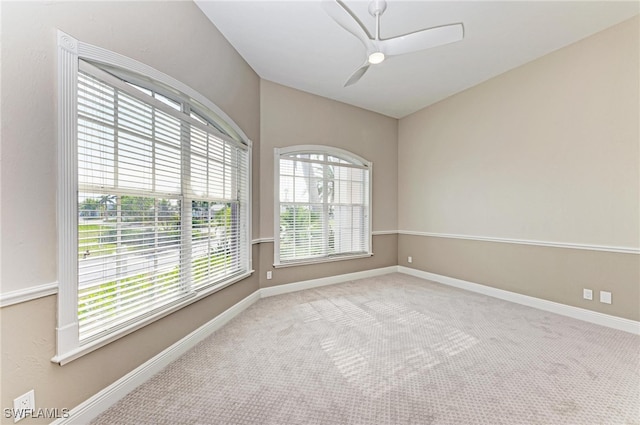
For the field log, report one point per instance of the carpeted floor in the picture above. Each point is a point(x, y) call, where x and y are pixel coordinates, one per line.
point(395, 350)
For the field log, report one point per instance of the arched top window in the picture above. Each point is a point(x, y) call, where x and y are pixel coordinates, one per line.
point(323, 205)
point(153, 208)
point(324, 153)
point(201, 110)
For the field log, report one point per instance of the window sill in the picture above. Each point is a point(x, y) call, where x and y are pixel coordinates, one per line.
point(67, 357)
point(322, 260)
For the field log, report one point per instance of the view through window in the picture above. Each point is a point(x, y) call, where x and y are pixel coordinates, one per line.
point(323, 208)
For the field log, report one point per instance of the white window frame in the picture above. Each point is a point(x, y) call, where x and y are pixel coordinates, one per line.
point(326, 150)
point(70, 51)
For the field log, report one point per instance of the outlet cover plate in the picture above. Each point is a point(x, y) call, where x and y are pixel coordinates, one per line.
point(26, 402)
point(605, 297)
point(587, 294)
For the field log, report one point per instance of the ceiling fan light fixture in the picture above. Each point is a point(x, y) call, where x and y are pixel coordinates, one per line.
point(376, 58)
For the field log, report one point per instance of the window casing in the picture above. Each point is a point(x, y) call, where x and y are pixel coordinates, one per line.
point(154, 185)
point(323, 205)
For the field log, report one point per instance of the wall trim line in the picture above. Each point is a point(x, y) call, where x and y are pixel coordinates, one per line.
point(262, 240)
point(384, 232)
point(567, 245)
point(28, 294)
point(590, 316)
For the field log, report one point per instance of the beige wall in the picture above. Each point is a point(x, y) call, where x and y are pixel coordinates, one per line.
point(173, 37)
point(554, 274)
point(290, 117)
point(546, 152)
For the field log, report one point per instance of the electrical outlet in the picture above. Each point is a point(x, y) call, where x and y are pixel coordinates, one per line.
point(269, 275)
point(23, 405)
point(409, 259)
point(605, 297)
point(587, 294)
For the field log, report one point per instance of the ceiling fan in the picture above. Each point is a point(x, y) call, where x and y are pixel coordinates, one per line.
point(378, 49)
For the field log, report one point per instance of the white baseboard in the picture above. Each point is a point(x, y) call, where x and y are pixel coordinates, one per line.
point(91, 408)
point(602, 319)
point(324, 281)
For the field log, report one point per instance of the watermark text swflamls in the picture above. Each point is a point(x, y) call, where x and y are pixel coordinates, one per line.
point(47, 413)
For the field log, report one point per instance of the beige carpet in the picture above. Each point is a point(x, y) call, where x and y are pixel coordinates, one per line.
point(395, 350)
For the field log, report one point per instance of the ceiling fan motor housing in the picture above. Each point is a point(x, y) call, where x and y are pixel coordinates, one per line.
point(377, 7)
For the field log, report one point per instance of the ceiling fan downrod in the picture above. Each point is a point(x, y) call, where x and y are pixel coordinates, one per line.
point(376, 9)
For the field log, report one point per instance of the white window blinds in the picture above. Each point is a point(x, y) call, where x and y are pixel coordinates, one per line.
point(323, 209)
point(162, 203)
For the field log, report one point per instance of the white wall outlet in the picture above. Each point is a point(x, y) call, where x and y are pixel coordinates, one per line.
point(587, 294)
point(605, 297)
point(269, 275)
point(410, 259)
point(23, 406)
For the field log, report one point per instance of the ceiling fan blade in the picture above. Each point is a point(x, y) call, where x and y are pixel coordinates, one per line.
point(423, 39)
point(337, 10)
point(357, 74)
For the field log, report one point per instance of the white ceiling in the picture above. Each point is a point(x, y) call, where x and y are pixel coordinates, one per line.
point(295, 43)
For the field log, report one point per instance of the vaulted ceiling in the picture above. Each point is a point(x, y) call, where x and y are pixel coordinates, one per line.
point(297, 44)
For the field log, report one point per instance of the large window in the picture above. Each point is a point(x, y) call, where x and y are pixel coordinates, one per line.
point(322, 206)
point(161, 210)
